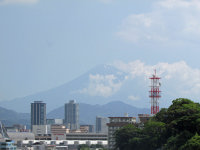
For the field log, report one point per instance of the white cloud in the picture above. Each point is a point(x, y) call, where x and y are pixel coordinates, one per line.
point(139, 27)
point(171, 4)
point(135, 68)
point(169, 21)
point(102, 85)
point(6, 2)
point(133, 98)
point(178, 78)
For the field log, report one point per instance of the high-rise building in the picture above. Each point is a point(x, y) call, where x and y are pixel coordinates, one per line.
point(101, 125)
point(72, 115)
point(38, 113)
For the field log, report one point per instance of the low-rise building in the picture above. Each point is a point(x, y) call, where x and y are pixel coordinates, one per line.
point(42, 132)
point(115, 124)
point(20, 136)
point(17, 128)
point(7, 145)
point(87, 128)
point(41, 129)
point(60, 144)
point(58, 132)
point(143, 118)
point(84, 129)
point(86, 136)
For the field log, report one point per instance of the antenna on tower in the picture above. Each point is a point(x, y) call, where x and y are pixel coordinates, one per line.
point(155, 93)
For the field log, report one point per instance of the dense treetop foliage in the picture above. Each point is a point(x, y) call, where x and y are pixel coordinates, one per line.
point(175, 128)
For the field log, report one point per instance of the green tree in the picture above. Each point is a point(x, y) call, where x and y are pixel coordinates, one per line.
point(169, 129)
point(83, 147)
point(154, 134)
point(192, 144)
point(182, 114)
point(123, 137)
point(161, 116)
point(175, 142)
point(182, 122)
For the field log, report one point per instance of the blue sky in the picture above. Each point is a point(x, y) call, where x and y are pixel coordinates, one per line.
point(46, 43)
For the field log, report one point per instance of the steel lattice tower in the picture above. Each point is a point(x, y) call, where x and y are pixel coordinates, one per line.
point(155, 93)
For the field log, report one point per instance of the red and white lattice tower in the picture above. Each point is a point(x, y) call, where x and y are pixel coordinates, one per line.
point(155, 93)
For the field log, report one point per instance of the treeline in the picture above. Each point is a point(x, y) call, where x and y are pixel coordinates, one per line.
point(175, 128)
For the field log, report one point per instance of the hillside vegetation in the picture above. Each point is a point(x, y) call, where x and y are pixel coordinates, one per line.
point(175, 128)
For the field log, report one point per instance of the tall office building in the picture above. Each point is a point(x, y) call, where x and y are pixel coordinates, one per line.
point(101, 125)
point(72, 115)
point(38, 113)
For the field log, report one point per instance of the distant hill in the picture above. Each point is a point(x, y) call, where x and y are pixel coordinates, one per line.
point(100, 85)
point(89, 112)
point(10, 117)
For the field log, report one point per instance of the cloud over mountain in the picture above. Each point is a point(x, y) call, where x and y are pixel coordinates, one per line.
point(184, 80)
point(120, 81)
point(102, 85)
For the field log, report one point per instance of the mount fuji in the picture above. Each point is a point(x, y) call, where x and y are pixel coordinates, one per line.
point(117, 82)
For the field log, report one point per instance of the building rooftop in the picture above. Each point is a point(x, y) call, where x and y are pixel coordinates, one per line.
point(38, 101)
point(122, 117)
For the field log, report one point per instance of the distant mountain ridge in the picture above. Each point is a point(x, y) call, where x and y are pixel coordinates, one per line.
point(89, 112)
point(10, 117)
point(100, 85)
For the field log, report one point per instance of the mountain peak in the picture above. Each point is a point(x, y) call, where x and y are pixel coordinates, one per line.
point(100, 85)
